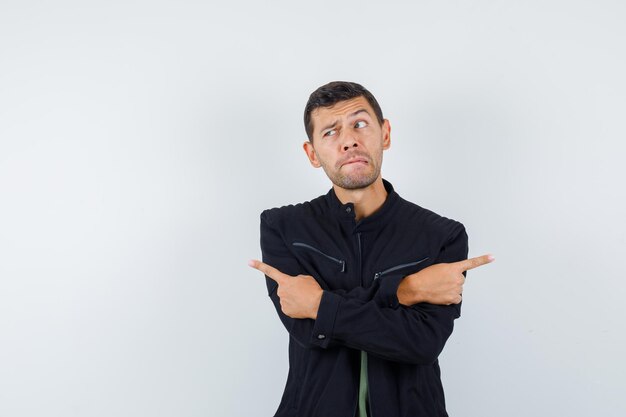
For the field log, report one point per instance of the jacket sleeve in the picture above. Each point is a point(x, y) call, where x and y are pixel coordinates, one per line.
point(303, 331)
point(384, 328)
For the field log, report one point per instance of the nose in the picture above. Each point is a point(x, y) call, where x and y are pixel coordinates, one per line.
point(349, 141)
point(346, 147)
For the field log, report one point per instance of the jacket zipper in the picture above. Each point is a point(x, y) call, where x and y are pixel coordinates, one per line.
point(376, 276)
point(358, 237)
point(359, 263)
point(339, 261)
point(394, 268)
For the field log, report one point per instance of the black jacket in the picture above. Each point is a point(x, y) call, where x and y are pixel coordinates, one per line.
point(359, 265)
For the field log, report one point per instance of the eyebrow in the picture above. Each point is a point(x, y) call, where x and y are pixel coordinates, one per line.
point(351, 115)
point(358, 112)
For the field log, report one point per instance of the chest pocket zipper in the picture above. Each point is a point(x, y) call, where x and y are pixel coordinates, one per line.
point(338, 261)
point(395, 268)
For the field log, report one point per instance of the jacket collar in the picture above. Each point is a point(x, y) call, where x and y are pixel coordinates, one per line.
point(346, 211)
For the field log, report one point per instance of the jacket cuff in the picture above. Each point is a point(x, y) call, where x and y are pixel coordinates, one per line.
point(325, 322)
point(387, 295)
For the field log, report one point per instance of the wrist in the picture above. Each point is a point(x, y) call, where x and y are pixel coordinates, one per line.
point(408, 293)
point(316, 305)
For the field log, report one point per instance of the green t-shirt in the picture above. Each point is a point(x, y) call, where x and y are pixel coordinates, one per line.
point(363, 386)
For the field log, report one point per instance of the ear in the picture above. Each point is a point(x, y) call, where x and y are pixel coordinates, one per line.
point(310, 153)
point(386, 127)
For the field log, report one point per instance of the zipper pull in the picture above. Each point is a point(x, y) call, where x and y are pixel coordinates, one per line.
point(376, 275)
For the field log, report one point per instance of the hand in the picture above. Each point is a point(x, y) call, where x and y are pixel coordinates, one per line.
point(439, 283)
point(299, 295)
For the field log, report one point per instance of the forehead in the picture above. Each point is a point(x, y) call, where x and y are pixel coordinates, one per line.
point(340, 109)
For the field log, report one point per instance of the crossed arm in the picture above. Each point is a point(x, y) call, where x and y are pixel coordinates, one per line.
point(414, 332)
point(440, 284)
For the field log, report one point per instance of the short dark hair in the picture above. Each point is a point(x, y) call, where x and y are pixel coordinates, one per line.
point(330, 94)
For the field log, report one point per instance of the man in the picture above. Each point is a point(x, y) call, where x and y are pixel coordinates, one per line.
point(367, 284)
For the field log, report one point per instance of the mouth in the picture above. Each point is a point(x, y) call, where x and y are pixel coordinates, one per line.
point(355, 161)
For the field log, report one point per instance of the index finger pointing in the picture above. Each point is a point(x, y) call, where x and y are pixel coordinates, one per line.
point(268, 270)
point(472, 263)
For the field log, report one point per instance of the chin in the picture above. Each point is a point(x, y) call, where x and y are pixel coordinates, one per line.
point(355, 183)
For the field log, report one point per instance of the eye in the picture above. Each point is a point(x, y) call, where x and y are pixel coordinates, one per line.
point(331, 132)
point(360, 124)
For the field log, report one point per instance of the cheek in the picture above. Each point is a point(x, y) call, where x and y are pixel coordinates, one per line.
point(319, 159)
point(325, 154)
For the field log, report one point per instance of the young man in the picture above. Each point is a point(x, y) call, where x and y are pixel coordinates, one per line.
point(367, 284)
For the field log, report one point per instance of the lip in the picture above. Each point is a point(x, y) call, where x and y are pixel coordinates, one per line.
point(355, 160)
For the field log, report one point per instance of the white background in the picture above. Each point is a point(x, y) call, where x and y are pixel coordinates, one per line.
point(140, 140)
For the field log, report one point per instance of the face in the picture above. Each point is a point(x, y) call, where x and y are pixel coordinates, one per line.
point(348, 143)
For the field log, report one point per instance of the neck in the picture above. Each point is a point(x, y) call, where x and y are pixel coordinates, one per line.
point(366, 200)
